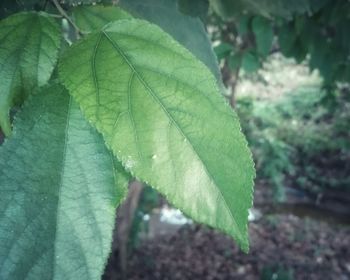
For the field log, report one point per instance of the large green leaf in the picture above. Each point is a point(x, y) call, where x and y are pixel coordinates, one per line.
point(187, 30)
point(161, 112)
point(58, 193)
point(89, 18)
point(29, 44)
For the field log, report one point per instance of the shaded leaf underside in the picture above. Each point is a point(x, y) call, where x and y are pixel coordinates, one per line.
point(29, 44)
point(57, 193)
point(160, 111)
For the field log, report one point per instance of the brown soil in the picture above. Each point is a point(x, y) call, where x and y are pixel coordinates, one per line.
point(282, 247)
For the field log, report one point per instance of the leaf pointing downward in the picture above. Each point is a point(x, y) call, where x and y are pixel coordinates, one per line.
point(29, 44)
point(58, 193)
point(160, 111)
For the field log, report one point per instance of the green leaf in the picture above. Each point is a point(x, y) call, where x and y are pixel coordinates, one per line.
point(188, 31)
point(79, 2)
point(90, 18)
point(266, 8)
point(160, 111)
point(223, 50)
point(286, 39)
point(227, 8)
point(57, 193)
point(194, 8)
point(234, 61)
point(250, 62)
point(244, 24)
point(8, 7)
point(263, 35)
point(29, 44)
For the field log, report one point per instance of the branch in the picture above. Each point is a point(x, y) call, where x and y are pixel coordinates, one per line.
point(67, 17)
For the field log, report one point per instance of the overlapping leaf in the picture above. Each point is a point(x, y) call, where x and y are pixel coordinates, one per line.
point(188, 31)
point(161, 113)
point(267, 8)
point(90, 18)
point(263, 35)
point(58, 193)
point(79, 2)
point(194, 8)
point(29, 44)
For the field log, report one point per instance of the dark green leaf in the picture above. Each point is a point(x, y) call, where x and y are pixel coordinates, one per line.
point(58, 193)
point(79, 2)
point(263, 35)
point(194, 8)
point(266, 8)
point(250, 62)
point(8, 7)
point(188, 31)
point(286, 39)
point(234, 61)
point(223, 50)
point(29, 44)
point(243, 24)
point(227, 9)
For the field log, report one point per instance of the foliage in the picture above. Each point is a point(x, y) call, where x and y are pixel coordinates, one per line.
point(155, 99)
point(29, 50)
point(315, 30)
point(57, 177)
point(150, 85)
point(290, 139)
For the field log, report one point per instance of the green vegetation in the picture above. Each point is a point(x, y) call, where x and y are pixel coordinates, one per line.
point(311, 30)
point(94, 95)
point(61, 180)
point(301, 139)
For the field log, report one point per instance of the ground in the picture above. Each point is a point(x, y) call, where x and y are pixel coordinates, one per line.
point(282, 247)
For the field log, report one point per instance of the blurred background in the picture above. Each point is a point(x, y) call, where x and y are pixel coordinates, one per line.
point(285, 70)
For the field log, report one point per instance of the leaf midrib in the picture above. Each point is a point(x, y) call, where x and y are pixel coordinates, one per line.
point(59, 195)
point(61, 174)
point(150, 91)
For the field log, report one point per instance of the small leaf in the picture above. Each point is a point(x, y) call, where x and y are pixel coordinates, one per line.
point(58, 193)
point(90, 18)
point(244, 24)
point(263, 35)
point(250, 62)
point(234, 61)
point(286, 39)
point(227, 8)
point(29, 44)
point(161, 113)
point(223, 50)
